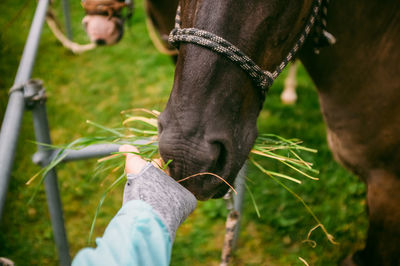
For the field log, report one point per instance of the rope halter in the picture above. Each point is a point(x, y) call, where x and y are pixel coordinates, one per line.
point(261, 78)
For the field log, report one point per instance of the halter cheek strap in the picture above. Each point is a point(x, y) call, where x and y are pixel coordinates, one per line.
point(261, 78)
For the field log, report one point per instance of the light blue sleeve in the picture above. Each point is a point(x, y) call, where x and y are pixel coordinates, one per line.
point(135, 236)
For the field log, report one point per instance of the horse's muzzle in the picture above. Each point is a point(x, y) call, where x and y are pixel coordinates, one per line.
point(192, 159)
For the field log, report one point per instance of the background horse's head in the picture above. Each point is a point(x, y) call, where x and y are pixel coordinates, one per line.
point(102, 30)
point(209, 124)
point(104, 20)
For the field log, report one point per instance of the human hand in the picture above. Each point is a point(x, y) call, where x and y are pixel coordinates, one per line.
point(134, 163)
point(171, 201)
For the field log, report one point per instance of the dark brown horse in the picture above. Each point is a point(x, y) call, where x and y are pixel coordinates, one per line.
point(209, 123)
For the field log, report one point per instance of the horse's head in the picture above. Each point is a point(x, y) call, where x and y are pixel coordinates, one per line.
point(209, 124)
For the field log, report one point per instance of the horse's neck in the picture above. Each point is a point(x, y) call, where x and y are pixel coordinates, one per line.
point(366, 53)
point(358, 78)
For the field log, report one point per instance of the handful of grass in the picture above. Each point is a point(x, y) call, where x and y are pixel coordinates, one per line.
point(139, 127)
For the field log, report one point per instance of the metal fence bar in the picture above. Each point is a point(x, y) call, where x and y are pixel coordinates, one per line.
point(54, 204)
point(16, 104)
point(67, 19)
point(92, 151)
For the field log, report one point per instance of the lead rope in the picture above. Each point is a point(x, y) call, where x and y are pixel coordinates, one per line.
point(262, 78)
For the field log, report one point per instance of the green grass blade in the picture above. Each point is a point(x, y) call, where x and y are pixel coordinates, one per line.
point(118, 181)
point(299, 171)
point(113, 131)
point(276, 174)
point(253, 201)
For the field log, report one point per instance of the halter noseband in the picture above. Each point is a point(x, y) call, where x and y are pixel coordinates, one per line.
point(262, 78)
point(109, 8)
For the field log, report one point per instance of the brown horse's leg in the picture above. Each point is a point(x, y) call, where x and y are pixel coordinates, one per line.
point(383, 241)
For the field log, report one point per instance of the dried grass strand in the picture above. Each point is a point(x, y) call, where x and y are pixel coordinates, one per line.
point(303, 261)
point(155, 113)
point(329, 236)
point(208, 173)
point(312, 242)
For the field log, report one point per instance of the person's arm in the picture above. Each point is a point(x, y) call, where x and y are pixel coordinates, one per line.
point(135, 236)
point(142, 232)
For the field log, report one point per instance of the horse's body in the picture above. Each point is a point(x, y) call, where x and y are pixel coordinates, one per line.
point(358, 81)
point(209, 123)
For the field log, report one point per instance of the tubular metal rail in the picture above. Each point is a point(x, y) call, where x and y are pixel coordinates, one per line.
point(30, 94)
point(26, 94)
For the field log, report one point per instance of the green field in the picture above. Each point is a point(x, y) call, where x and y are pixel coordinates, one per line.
point(97, 86)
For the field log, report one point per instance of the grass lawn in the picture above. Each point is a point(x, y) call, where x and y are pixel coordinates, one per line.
point(97, 86)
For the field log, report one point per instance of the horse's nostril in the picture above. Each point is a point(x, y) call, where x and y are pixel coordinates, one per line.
point(220, 155)
point(101, 42)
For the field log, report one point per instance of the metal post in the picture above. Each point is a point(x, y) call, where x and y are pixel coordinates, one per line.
point(67, 19)
point(16, 104)
point(35, 97)
point(57, 218)
point(238, 199)
point(234, 205)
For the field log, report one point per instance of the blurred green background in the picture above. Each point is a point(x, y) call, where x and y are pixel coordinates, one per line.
point(98, 85)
